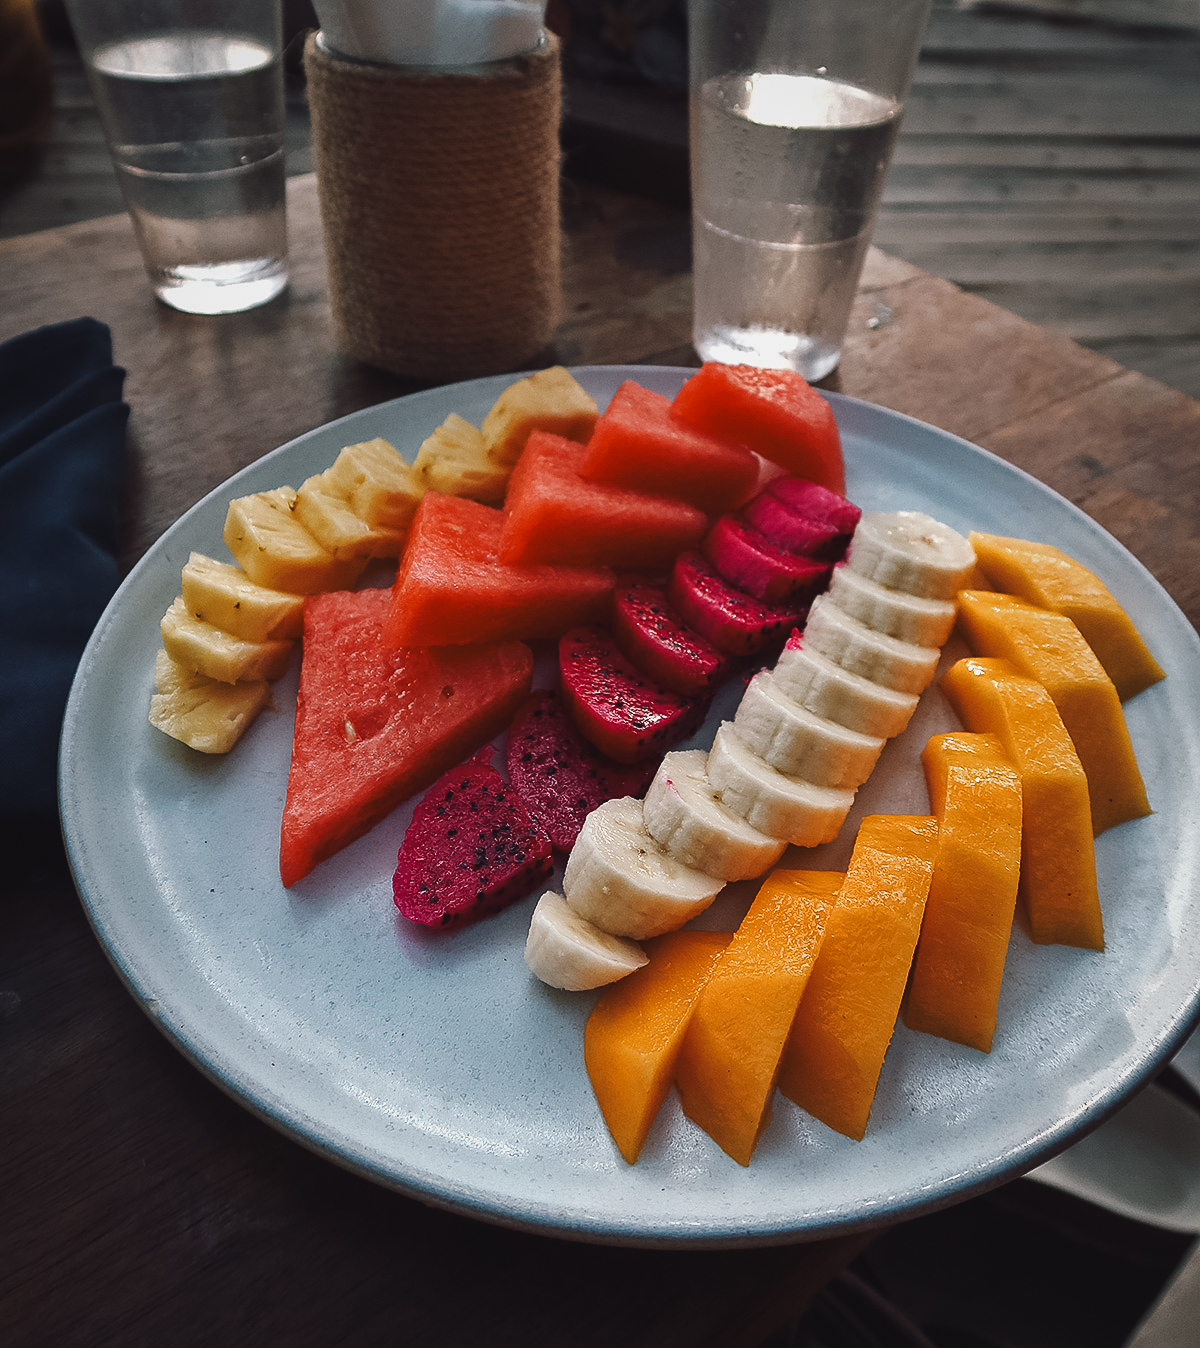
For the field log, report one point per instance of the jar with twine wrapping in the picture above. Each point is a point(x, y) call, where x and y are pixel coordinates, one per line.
point(439, 194)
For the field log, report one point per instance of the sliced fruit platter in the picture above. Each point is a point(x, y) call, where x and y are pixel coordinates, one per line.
point(441, 1067)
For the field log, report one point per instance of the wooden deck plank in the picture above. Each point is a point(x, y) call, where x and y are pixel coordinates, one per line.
point(1146, 156)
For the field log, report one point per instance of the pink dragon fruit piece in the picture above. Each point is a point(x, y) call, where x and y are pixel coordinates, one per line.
point(747, 560)
point(815, 502)
point(803, 517)
point(793, 532)
point(615, 707)
point(656, 639)
point(733, 621)
point(558, 777)
point(472, 849)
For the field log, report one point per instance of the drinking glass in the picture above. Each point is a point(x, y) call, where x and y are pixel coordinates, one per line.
point(190, 94)
point(795, 106)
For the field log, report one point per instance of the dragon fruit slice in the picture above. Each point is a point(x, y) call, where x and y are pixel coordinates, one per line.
point(803, 517)
point(658, 641)
point(815, 502)
point(623, 714)
point(747, 559)
point(733, 621)
point(558, 777)
point(792, 531)
point(472, 849)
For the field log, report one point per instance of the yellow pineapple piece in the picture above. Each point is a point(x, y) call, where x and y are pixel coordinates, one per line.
point(276, 550)
point(226, 597)
point(328, 516)
point(550, 400)
point(200, 648)
point(454, 460)
point(202, 713)
point(380, 487)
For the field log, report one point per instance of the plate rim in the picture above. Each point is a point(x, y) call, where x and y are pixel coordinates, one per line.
point(459, 1198)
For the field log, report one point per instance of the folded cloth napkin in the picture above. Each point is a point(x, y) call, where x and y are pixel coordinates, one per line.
point(62, 459)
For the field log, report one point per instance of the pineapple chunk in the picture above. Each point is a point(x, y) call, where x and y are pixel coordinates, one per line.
point(550, 400)
point(380, 487)
point(328, 516)
point(200, 648)
point(453, 460)
point(276, 550)
point(202, 713)
point(226, 597)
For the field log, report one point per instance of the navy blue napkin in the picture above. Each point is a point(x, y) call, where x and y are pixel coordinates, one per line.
point(62, 460)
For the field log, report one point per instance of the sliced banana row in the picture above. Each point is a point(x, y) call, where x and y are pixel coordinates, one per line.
point(805, 736)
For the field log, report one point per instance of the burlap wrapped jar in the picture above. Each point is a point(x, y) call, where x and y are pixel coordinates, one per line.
point(439, 192)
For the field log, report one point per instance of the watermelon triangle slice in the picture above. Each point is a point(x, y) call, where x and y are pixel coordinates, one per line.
point(551, 514)
point(375, 725)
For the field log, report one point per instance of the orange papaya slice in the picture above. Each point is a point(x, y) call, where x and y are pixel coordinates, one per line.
point(1046, 576)
point(1057, 885)
point(634, 1034)
point(848, 1012)
point(1048, 647)
point(975, 792)
point(734, 1044)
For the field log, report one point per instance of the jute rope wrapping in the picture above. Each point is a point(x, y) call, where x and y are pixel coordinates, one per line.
point(440, 209)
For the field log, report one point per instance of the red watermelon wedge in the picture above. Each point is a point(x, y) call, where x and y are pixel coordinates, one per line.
point(551, 514)
point(375, 726)
point(638, 443)
point(452, 589)
point(776, 413)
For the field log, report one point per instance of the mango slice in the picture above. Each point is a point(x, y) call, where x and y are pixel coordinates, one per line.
point(1049, 647)
point(1044, 575)
point(975, 793)
point(731, 1054)
point(848, 1012)
point(1058, 857)
point(634, 1034)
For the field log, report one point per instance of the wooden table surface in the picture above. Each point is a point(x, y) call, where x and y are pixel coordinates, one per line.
point(138, 1203)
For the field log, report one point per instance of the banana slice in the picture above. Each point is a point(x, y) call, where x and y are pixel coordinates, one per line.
point(795, 740)
point(911, 551)
point(907, 617)
point(567, 951)
point(685, 814)
point(844, 641)
point(830, 691)
point(770, 801)
point(620, 879)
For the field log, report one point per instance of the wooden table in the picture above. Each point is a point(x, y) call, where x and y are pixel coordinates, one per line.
point(139, 1204)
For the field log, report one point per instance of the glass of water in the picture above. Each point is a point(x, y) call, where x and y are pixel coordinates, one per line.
point(795, 107)
point(190, 94)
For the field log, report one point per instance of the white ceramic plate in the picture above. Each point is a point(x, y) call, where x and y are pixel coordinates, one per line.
point(435, 1064)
